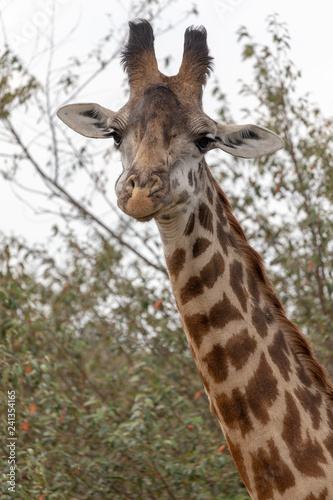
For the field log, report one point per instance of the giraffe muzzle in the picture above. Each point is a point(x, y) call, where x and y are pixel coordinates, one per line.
point(142, 198)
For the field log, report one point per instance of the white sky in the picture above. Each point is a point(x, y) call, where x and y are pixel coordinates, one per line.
point(28, 22)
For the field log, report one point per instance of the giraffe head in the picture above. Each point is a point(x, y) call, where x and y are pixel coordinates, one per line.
point(162, 132)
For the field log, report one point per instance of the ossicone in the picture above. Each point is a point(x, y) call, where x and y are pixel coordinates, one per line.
point(138, 56)
point(139, 60)
point(197, 62)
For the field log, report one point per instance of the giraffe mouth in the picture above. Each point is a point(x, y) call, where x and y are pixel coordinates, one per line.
point(146, 218)
point(142, 209)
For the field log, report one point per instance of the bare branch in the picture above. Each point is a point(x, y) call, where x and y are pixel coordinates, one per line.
point(65, 195)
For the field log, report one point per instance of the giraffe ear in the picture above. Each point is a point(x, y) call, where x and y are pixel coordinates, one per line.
point(90, 120)
point(247, 141)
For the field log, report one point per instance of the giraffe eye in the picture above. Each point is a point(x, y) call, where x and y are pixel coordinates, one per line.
point(116, 137)
point(203, 143)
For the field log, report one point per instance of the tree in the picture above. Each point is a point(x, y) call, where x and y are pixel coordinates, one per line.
point(108, 402)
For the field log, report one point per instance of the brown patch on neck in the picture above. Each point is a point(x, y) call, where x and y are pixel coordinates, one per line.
point(190, 225)
point(205, 217)
point(200, 246)
point(262, 391)
point(176, 262)
point(277, 475)
point(236, 453)
point(235, 411)
point(322, 495)
point(306, 453)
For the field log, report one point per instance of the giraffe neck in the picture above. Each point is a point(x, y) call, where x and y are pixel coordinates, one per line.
point(271, 397)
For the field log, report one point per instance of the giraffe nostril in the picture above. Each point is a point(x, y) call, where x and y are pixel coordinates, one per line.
point(131, 183)
point(151, 184)
point(155, 184)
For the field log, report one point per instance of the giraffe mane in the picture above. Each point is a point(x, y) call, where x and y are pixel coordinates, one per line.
point(297, 341)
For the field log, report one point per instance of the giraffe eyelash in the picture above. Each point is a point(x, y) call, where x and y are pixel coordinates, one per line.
point(204, 142)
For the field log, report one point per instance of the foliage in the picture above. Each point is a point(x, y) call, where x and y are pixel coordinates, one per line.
point(14, 95)
point(109, 404)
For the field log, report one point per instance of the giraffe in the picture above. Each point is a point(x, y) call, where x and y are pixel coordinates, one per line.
point(272, 398)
